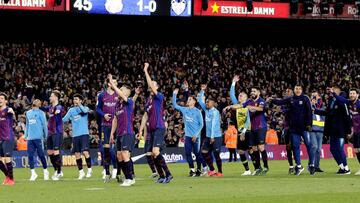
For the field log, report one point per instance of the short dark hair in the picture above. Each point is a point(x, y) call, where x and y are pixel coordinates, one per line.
point(298, 85)
point(355, 90)
point(255, 87)
point(57, 93)
point(4, 95)
point(78, 96)
point(193, 97)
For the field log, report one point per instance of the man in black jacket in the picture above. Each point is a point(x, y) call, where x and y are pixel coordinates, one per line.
point(300, 122)
point(337, 126)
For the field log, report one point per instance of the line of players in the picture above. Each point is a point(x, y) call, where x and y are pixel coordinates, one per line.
point(116, 108)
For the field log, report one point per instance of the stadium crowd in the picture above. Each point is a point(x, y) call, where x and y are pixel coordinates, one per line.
point(33, 70)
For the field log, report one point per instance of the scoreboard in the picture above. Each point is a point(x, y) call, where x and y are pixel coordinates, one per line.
point(35, 5)
point(187, 8)
point(133, 7)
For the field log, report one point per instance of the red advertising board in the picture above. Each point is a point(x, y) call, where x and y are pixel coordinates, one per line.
point(349, 12)
point(36, 5)
point(239, 9)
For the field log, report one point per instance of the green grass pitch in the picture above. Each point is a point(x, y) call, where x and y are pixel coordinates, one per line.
point(277, 186)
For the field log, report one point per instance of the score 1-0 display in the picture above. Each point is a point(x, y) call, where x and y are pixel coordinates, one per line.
point(133, 7)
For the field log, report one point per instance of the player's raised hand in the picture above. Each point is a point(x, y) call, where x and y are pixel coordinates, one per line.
point(11, 111)
point(236, 78)
point(176, 91)
point(146, 66)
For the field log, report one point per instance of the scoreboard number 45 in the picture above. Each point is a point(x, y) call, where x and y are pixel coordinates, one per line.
point(85, 5)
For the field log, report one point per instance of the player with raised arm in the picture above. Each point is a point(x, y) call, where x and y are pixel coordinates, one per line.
point(242, 118)
point(105, 108)
point(7, 116)
point(78, 115)
point(193, 122)
point(212, 143)
point(123, 126)
point(157, 129)
point(55, 112)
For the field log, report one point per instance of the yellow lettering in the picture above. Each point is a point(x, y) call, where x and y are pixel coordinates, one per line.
point(350, 152)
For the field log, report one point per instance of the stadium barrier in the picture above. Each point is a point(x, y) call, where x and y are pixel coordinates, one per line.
point(174, 155)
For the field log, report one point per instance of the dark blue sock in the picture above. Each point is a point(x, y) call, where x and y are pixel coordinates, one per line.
point(9, 167)
point(208, 161)
point(3, 168)
point(107, 160)
point(79, 164)
point(218, 161)
point(151, 163)
point(162, 162)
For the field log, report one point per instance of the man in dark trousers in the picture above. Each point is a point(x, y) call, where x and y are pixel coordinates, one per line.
point(300, 123)
point(337, 126)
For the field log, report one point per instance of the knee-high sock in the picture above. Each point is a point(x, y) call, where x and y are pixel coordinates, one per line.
point(119, 167)
point(163, 164)
point(127, 170)
point(208, 161)
point(289, 156)
point(88, 162)
point(218, 161)
point(3, 168)
point(58, 162)
point(257, 159)
point(132, 167)
point(9, 167)
point(79, 164)
point(107, 160)
point(150, 161)
point(252, 156)
point(264, 158)
point(244, 161)
point(52, 160)
point(159, 167)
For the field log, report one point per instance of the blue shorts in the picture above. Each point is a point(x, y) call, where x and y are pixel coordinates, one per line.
point(105, 134)
point(157, 138)
point(125, 142)
point(6, 148)
point(80, 143)
point(54, 142)
point(257, 137)
point(147, 146)
point(216, 146)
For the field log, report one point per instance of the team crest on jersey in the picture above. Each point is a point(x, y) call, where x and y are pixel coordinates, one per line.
point(301, 102)
point(336, 106)
point(119, 112)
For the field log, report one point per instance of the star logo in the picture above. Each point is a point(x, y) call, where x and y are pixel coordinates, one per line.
point(215, 8)
point(283, 154)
